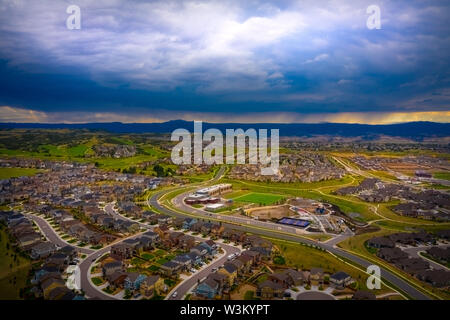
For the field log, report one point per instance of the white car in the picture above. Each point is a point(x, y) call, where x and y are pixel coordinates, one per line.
point(174, 295)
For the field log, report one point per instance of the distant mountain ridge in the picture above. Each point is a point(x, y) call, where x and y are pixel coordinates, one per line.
point(411, 130)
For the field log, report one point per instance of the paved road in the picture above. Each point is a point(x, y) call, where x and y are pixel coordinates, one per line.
point(84, 266)
point(89, 288)
point(184, 287)
point(187, 284)
point(251, 227)
point(85, 270)
point(53, 237)
point(109, 209)
point(414, 253)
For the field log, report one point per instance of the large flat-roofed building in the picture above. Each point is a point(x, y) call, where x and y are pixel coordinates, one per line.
point(215, 190)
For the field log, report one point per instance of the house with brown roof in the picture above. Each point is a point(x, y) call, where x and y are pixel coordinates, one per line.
point(171, 269)
point(392, 254)
point(437, 278)
point(247, 263)
point(121, 251)
point(186, 242)
point(364, 295)
point(412, 265)
point(381, 242)
point(269, 290)
point(298, 277)
point(116, 280)
point(254, 255)
point(316, 276)
point(49, 284)
point(281, 278)
point(152, 285)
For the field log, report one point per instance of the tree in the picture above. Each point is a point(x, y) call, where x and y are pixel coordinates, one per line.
point(159, 170)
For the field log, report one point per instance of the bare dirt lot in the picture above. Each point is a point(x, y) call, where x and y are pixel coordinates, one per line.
point(274, 212)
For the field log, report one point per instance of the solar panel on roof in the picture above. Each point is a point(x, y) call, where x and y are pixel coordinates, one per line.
point(294, 222)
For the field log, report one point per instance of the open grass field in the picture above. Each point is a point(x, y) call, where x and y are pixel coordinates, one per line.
point(442, 175)
point(260, 198)
point(13, 269)
point(6, 173)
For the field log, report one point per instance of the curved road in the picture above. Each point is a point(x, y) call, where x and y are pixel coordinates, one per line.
point(53, 237)
point(385, 274)
point(184, 286)
point(187, 284)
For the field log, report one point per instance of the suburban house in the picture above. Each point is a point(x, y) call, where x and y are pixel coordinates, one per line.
point(133, 281)
point(340, 280)
point(316, 276)
point(412, 265)
point(188, 222)
point(392, 254)
point(254, 255)
point(208, 288)
point(171, 269)
point(437, 278)
point(186, 242)
point(42, 250)
point(121, 251)
point(48, 285)
point(199, 250)
point(184, 260)
point(196, 259)
point(230, 271)
point(152, 285)
point(269, 290)
point(28, 239)
point(297, 277)
point(153, 236)
point(381, 242)
point(283, 279)
point(247, 263)
point(111, 267)
point(117, 279)
point(364, 295)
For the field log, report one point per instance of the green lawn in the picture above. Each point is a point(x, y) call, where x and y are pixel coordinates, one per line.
point(303, 257)
point(153, 268)
point(147, 256)
point(6, 173)
point(260, 198)
point(162, 261)
point(442, 175)
point(97, 281)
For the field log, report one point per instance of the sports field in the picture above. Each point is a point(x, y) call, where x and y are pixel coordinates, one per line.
point(260, 198)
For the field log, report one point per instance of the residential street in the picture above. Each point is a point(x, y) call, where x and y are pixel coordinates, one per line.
point(53, 237)
point(414, 253)
point(252, 227)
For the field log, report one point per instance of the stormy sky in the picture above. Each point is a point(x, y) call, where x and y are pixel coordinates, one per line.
point(242, 61)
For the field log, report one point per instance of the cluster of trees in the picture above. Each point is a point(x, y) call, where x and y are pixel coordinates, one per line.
point(161, 172)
